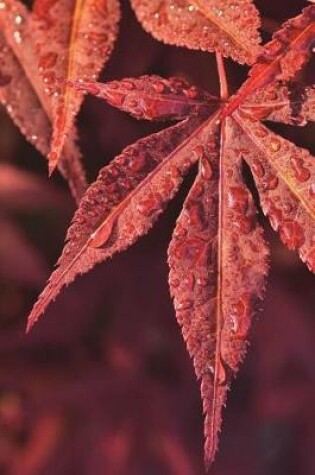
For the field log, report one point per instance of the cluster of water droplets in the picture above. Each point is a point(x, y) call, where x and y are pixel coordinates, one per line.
point(284, 176)
point(152, 97)
point(17, 21)
point(230, 26)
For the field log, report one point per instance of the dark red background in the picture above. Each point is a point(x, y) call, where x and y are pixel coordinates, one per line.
point(103, 385)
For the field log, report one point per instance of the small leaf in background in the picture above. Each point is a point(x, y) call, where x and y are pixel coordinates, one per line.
point(23, 92)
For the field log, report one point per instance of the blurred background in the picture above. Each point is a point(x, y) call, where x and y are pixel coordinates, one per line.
point(103, 384)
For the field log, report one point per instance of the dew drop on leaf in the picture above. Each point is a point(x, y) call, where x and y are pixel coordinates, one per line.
point(292, 234)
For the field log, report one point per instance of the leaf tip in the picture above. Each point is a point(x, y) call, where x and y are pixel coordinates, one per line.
point(53, 162)
point(30, 323)
point(210, 451)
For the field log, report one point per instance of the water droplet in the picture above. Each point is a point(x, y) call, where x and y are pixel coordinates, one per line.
point(196, 215)
point(301, 173)
point(17, 36)
point(311, 260)
point(198, 152)
point(132, 104)
point(150, 204)
point(159, 87)
point(191, 93)
point(174, 173)
point(206, 169)
point(202, 282)
point(92, 89)
point(237, 199)
point(174, 282)
point(261, 132)
point(235, 323)
point(101, 236)
point(221, 373)
point(292, 234)
point(183, 305)
point(180, 232)
point(270, 183)
point(275, 217)
point(275, 145)
point(127, 85)
point(112, 85)
point(18, 20)
point(137, 162)
point(189, 282)
point(258, 168)
point(239, 308)
point(288, 208)
point(116, 99)
point(49, 77)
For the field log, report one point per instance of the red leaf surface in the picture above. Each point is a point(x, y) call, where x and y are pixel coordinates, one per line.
point(151, 97)
point(125, 201)
point(218, 263)
point(281, 59)
point(218, 257)
point(74, 38)
point(23, 92)
point(285, 178)
point(289, 103)
point(230, 27)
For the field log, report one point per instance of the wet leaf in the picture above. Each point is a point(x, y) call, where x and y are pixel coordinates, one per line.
point(281, 58)
point(289, 103)
point(218, 264)
point(125, 201)
point(285, 178)
point(151, 97)
point(74, 38)
point(218, 256)
point(230, 27)
point(22, 92)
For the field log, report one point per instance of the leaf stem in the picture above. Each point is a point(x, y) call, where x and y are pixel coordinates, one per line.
point(224, 91)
